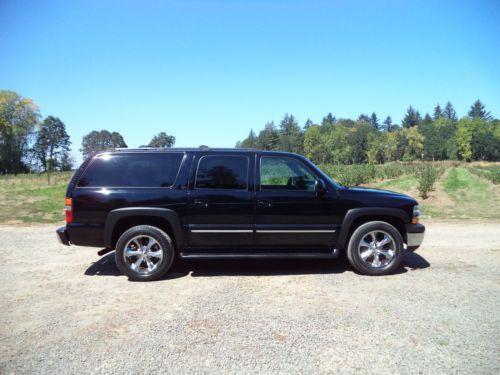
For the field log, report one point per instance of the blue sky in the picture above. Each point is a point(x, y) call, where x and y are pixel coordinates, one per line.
point(208, 71)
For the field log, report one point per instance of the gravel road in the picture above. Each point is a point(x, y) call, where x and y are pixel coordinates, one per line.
point(65, 310)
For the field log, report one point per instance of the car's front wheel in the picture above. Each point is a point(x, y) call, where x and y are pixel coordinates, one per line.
point(144, 253)
point(375, 248)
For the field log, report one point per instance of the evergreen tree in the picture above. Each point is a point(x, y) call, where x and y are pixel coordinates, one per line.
point(387, 124)
point(449, 112)
point(291, 136)
point(438, 112)
point(250, 141)
point(374, 120)
point(412, 118)
point(308, 124)
point(477, 110)
point(269, 137)
point(364, 118)
point(427, 119)
point(329, 119)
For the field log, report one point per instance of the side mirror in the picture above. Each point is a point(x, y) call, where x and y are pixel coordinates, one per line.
point(319, 186)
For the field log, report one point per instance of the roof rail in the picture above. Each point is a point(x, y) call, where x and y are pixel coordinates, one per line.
point(201, 148)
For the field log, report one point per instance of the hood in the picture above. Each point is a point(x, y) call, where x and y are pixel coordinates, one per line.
point(379, 195)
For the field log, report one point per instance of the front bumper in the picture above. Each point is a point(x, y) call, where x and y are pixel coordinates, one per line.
point(414, 236)
point(62, 236)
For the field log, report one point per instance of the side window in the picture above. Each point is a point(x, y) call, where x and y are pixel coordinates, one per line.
point(278, 173)
point(222, 172)
point(132, 170)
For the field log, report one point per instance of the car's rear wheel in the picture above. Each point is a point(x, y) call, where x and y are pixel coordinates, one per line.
point(144, 253)
point(375, 248)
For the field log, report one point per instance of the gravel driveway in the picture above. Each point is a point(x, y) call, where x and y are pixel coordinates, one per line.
point(65, 310)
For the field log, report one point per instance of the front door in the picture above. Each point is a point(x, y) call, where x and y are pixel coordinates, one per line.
point(289, 212)
point(221, 201)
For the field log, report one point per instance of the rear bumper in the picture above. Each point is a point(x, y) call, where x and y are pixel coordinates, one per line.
point(414, 236)
point(62, 236)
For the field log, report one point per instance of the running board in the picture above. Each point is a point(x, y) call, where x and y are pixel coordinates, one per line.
point(260, 255)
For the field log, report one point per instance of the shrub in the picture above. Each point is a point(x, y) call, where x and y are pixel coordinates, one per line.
point(350, 175)
point(491, 172)
point(426, 176)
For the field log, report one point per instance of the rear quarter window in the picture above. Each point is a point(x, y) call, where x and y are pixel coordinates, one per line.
point(132, 170)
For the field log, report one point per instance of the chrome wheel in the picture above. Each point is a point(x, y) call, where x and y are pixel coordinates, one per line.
point(143, 254)
point(377, 248)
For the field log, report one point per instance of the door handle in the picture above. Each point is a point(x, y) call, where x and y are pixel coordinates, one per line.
point(264, 203)
point(201, 202)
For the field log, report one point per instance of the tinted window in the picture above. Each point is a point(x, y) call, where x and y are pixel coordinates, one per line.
point(285, 174)
point(132, 170)
point(222, 172)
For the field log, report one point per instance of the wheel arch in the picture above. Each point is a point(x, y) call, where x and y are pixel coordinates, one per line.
point(358, 216)
point(121, 219)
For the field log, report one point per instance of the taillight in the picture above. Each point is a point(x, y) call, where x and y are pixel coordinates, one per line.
point(68, 209)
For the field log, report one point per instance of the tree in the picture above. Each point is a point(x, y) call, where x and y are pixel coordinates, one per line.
point(291, 137)
point(477, 110)
point(162, 140)
point(358, 140)
point(337, 146)
point(364, 118)
point(268, 138)
point(307, 124)
point(250, 141)
point(18, 119)
point(67, 162)
point(485, 140)
point(387, 124)
point(99, 141)
point(328, 120)
point(413, 142)
point(52, 143)
point(438, 134)
point(412, 118)
point(464, 138)
point(449, 112)
point(313, 144)
point(374, 120)
point(438, 112)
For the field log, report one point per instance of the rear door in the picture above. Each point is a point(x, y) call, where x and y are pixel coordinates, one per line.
point(221, 200)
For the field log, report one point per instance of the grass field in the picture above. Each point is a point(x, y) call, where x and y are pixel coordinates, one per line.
point(458, 194)
point(30, 198)
point(465, 191)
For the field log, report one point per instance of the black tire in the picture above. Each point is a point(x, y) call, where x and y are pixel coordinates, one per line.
point(164, 243)
point(363, 232)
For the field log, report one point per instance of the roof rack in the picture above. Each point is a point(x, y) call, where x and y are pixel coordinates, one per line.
point(204, 148)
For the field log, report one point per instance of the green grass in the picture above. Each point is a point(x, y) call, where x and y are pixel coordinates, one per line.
point(490, 172)
point(458, 195)
point(471, 196)
point(30, 199)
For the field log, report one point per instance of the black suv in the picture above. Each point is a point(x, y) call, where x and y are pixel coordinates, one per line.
point(152, 205)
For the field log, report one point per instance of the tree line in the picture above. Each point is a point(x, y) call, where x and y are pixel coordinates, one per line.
point(439, 136)
point(29, 143)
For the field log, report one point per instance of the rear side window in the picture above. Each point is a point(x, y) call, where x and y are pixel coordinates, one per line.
point(222, 172)
point(132, 170)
